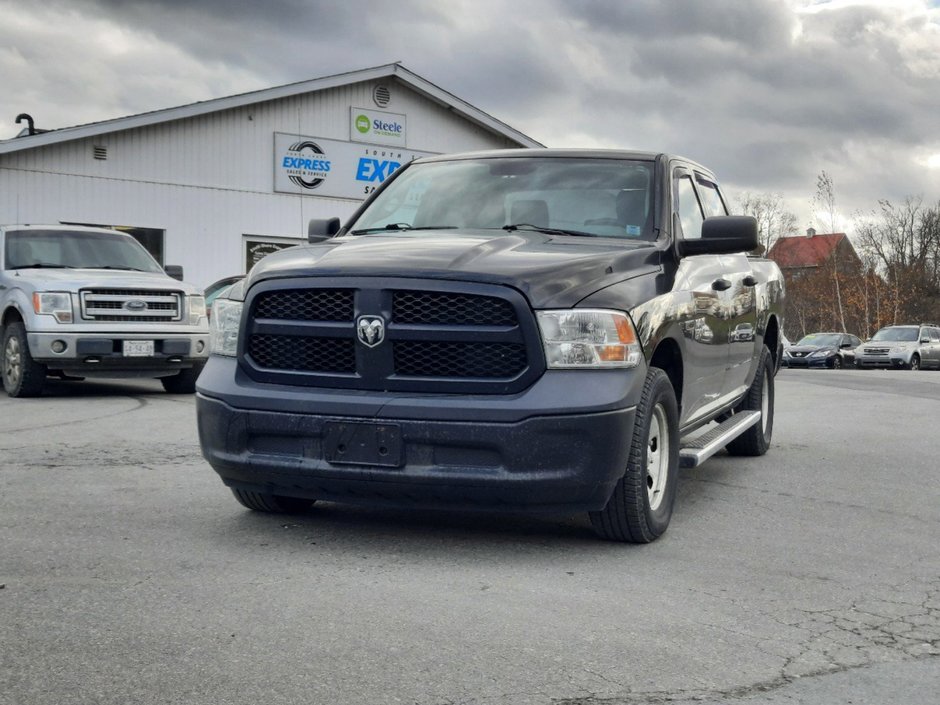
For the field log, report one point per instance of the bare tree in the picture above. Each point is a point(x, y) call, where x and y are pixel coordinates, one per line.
point(825, 201)
point(904, 241)
point(773, 219)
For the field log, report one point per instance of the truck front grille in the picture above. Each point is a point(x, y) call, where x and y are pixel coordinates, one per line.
point(432, 359)
point(281, 352)
point(877, 352)
point(390, 335)
point(307, 305)
point(455, 309)
point(131, 305)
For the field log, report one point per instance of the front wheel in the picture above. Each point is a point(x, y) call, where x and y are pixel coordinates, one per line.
point(640, 508)
point(22, 376)
point(183, 382)
point(915, 362)
point(837, 363)
point(760, 397)
point(272, 503)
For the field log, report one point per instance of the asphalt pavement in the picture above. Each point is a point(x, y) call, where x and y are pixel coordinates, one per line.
point(811, 575)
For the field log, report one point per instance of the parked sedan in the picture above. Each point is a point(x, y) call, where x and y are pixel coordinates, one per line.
point(833, 350)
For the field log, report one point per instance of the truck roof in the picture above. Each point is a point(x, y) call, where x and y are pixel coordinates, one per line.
point(565, 152)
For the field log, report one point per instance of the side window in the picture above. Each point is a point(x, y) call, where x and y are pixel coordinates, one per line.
point(690, 211)
point(711, 198)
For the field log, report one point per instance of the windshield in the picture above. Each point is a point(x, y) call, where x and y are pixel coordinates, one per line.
point(900, 335)
point(822, 340)
point(582, 196)
point(75, 249)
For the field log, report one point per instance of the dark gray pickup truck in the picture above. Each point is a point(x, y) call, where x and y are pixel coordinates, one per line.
point(531, 330)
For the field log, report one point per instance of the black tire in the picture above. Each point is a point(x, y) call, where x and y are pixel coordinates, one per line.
point(638, 512)
point(915, 362)
point(184, 382)
point(273, 503)
point(760, 397)
point(837, 363)
point(22, 376)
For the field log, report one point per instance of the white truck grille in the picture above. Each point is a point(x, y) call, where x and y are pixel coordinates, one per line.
point(131, 305)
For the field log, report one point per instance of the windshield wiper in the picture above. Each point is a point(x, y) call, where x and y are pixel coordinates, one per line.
point(44, 265)
point(400, 226)
point(542, 229)
point(111, 266)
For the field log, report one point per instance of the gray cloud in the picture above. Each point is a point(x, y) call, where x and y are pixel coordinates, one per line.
point(768, 92)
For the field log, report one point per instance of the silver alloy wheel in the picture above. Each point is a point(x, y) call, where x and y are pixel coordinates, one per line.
point(12, 362)
point(657, 457)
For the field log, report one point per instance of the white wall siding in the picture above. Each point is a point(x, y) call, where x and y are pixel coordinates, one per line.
point(209, 180)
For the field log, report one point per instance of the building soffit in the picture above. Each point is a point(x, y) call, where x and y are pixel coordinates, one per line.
point(396, 71)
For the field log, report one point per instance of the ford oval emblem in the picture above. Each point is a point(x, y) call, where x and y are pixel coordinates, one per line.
point(135, 305)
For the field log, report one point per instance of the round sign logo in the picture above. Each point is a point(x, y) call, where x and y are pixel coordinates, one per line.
point(306, 164)
point(362, 124)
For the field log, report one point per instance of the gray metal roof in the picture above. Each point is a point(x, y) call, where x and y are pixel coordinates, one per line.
point(397, 71)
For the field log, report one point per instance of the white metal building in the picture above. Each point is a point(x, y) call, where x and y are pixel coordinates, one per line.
point(215, 185)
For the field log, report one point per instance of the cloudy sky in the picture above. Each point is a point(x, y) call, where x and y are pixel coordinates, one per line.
point(769, 93)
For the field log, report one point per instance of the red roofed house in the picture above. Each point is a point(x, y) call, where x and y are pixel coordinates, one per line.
point(821, 274)
point(797, 256)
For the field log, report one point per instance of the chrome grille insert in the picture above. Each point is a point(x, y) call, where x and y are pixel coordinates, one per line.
point(131, 305)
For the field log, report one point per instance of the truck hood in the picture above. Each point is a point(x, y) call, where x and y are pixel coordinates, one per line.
point(550, 270)
point(74, 279)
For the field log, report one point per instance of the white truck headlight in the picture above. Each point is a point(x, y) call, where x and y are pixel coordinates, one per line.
point(197, 309)
point(223, 326)
point(54, 303)
point(588, 338)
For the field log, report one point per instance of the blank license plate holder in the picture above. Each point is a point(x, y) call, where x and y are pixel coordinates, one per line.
point(358, 443)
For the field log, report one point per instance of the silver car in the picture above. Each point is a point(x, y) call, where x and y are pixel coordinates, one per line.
point(902, 347)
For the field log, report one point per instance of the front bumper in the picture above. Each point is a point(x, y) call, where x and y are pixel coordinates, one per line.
point(560, 446)
point(892, 360)
point(91, 353)
point(797, 362)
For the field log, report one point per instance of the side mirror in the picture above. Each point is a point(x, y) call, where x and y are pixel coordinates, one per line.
point(175, 271)
point(723, 234)
point(319, 229)
point(925, 340)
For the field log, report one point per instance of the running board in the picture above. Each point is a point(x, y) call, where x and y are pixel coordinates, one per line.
point(701, 448)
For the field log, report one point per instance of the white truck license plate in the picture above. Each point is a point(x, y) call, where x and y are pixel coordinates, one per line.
point(138, 348)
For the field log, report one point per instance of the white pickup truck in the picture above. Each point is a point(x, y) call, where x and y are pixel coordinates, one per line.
point(81, 302)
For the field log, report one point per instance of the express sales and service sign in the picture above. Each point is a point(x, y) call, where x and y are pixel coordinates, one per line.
point(332, 168)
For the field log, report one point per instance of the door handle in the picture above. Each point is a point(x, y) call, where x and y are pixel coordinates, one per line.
point(721, 284)
point(749, 281)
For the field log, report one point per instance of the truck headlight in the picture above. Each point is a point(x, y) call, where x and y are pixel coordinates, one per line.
point(223, 326)
point(197, 309)
point(54, 303)
point(588, 338)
